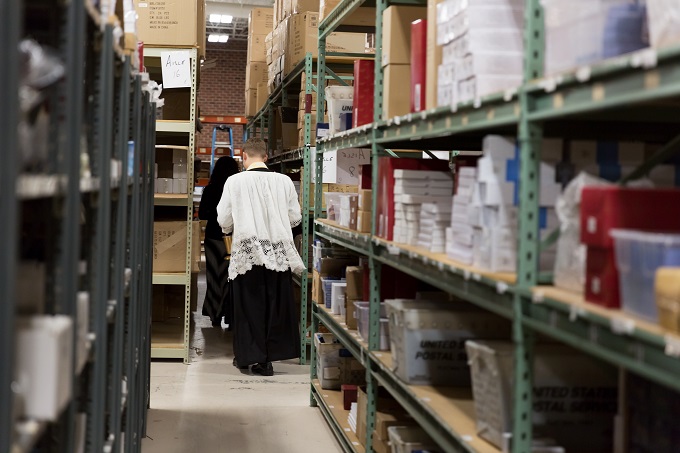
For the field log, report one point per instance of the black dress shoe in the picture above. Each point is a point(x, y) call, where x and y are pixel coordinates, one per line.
point(263, 369)
point(237, 365)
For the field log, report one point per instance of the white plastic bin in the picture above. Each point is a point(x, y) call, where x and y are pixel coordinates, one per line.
point(333, 200)
point(583, 32)
point(335, 365)
point(340, 101)
point(427, 339)
point(574, 396)
point(409, 439)
point(638, 256)
point(362, 315)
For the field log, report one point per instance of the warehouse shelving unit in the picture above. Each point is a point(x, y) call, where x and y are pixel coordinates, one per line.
point(292, 159)
point(170, 340)
point(624, 98)
point(92, 232)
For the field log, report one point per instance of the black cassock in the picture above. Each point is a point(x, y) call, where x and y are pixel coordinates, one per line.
point(265, 320)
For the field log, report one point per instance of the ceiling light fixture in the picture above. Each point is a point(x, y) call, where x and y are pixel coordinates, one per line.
point(224, 38)
point(226, 19)
point(213, 38)
point(215, 18)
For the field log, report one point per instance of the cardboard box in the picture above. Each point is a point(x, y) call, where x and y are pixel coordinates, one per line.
point(364, 76)
point(260, 21)
point(256, 48)
point(168, 23)
point(301, 139)
point(434, 54)
point(256, 72)
point(385, 403)
point(303, 37)
point(251, 102)
point(351, 318)
point(169, 246)
point(301, 121)
point(355, 282)
point(384, 420)
point(379, 445)
point(262, 95)
point(196, 246)
point(418, 64)
point(303, 6)
point(395, 77)
point(364, 221)
point(397, 33)
point(363, 16)
point(667, 291)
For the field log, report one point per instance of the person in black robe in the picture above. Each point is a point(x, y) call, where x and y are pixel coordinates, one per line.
point(217, 304)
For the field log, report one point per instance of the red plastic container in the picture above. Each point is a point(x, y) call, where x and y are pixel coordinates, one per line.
point(602, 277)
point(418, 64)
point(605, 208)
point(364, 86)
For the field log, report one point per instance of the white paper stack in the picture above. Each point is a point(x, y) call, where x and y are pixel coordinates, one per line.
point(495, 199)
point(460, 236)
point(434, 220)
point(482, 48)
point(412, 189)
point(352, 417)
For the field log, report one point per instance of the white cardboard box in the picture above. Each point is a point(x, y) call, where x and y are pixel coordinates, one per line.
point(44, 364)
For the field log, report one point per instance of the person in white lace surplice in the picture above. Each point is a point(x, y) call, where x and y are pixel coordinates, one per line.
point(261, 209)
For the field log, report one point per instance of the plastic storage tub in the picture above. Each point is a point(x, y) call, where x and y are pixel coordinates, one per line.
point(583, 32)
point(427, 339)
point(638, 256)
point(362, 312)
point(333, 200)
point(574, 396)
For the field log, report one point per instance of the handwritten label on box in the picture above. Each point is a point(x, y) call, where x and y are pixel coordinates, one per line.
point(176, 66)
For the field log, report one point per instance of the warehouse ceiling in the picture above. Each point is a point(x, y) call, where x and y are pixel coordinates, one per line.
point(238, 10)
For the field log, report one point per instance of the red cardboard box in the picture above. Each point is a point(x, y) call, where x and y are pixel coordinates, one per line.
point(365, 177)
point(364, 77)
point(602, 278)
point(349, 395)
point(418, 64)
point(387, 165)
point(605, 208)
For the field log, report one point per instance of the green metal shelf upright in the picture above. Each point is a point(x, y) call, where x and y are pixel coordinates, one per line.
point(92, 223)
point(623, 98)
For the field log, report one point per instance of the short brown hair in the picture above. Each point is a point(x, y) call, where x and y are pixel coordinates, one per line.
point(255, 147)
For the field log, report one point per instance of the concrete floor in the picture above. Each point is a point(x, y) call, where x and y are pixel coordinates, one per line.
point(210, 406)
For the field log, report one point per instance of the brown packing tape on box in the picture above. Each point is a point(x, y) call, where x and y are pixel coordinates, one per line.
point(167, 23)
point(169, 246)
point(395, 102)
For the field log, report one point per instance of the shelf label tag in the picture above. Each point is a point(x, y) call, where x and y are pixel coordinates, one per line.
point(623, 326)
point(672, 346)
point(176, 67)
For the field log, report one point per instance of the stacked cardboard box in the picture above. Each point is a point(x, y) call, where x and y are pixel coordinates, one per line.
point(171, 23)
point(482, 49)
point(396, 57)
point(260, 23)
point(171, 171)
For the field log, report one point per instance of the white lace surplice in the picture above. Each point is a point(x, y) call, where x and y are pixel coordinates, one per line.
point(260, 208)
